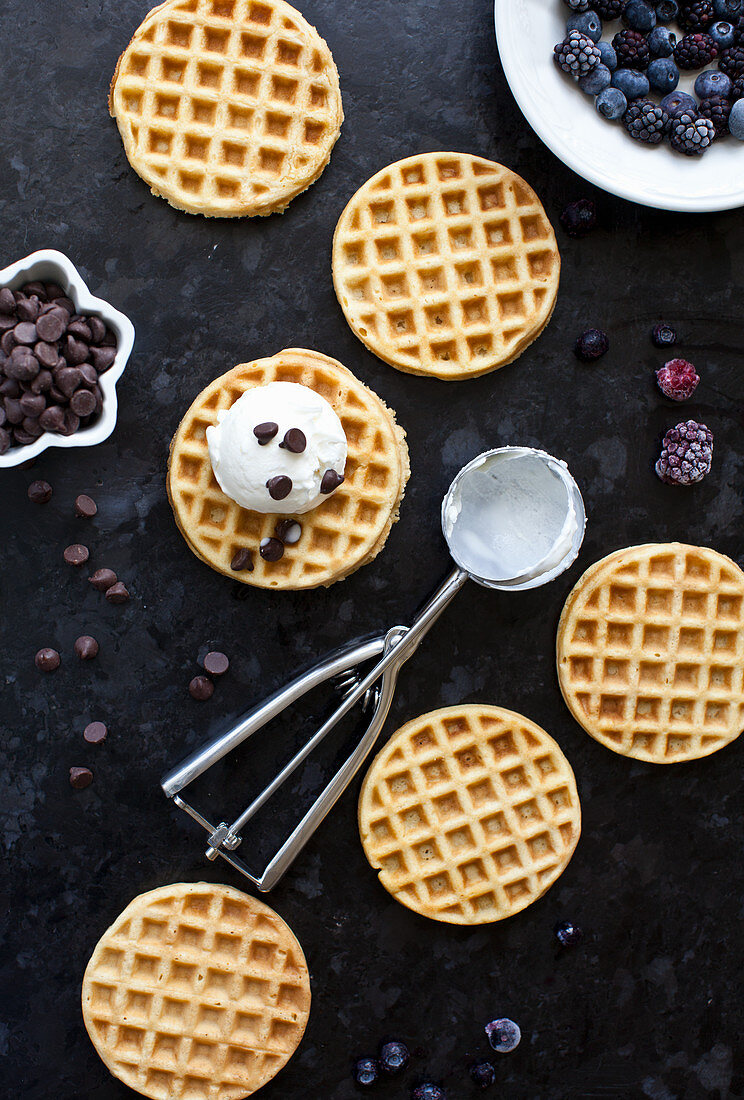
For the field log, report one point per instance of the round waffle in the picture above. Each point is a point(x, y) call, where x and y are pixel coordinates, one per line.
point(196, 992)
point(650, 652)
point(445, 264)
point(227, 107)
point(344, 532)
point(469, 814)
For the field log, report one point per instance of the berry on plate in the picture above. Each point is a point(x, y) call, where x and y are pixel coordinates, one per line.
point(690, 134)
point(695, 51)
point(588, 23)
point(639, 16)
point(611, 103)
point(577, 55)
point(632, 50)
point(646, 121)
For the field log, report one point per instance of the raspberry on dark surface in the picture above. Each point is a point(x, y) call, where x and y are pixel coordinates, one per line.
point(686, 454)
point(677, 379)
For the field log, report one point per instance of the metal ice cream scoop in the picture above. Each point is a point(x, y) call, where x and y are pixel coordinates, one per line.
point(513, 519)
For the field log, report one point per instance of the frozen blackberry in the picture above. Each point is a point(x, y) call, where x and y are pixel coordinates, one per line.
point(609, 9)
point(577, 54)
point(591, 345)
point(567, 933)
point(577, 5)
point(632, 50)
point(663, 336)
point(686, 453)
point(677, 379)
point(646, 121)
point(394, 1057)
point(366, 1072)
point(731, 62)
point(695, 51)
point(482, 1074)
point(737, 88)
point(697, 16)
point(690, 134)
point(579, 218)
point(717, 109)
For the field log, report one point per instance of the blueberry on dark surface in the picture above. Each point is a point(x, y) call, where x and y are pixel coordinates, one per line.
point(691, 134)
point(428, 1091)
point(695, 51)
point(663, 74)
point(696, 16)
point(663, 335)
point(588, 23)
point(579, 218)
point(611, 104)
point(591, 345)
point(661, 42)
point(609, 9)
point(639, 16)
point(503, 1035)
point(646, 121)
point(686, 454)
point(577, 55)
point(667, 11)
point(394, 1057)
point(366, 1072)
point(568, 934)
point(632, 50)
point(632, 84)
point(482, 1074)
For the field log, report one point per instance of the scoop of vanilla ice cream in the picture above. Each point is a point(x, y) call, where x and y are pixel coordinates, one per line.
point(243, 465)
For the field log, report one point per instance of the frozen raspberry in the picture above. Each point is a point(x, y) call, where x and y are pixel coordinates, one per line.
point(686, 453)
point(677, 379)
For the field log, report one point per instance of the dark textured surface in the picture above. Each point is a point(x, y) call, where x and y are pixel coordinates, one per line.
point(650, 1005)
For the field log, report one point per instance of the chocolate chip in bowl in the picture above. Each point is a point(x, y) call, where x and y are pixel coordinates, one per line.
point(62, 352)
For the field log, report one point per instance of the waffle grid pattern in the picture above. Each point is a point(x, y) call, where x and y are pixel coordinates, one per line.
point(227, 107)
point(446, 264)
point(345, 531)
point(469, 813)
point(196, 992)
point(651, 652)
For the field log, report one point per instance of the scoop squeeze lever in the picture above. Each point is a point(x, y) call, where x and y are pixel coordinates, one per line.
point(513, 519)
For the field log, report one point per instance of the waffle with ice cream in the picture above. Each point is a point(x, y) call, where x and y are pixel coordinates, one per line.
point(287, 472)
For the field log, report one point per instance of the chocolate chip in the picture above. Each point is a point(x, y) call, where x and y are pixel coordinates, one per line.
point(86, 647)
point(97, 329)
point(53, 290)
point(117, 593)
point(10, 388)
point(13, 410)
point(103, 579)
point(82, 402)
point(271, 549)
point(242, 559)
point(22, 438)
point(47, 660)
point(7, 301)
point(266, 431)
point(33, 405)
point(80, 778)
point(36, 288)
point(77, 554)
point(53, 419)
point(40, 492)
point(42, 383)
point(72, 423)
point(6, 323)
point(74, 351)
point(4, 440)
point(201, 688)
point(25, 333)
point(8, 342)
point(86, 508)
point(279, 487)
point(331, 480)
point(46, 354)
point(95, 733)
point(22, 365)
point(80, 330)
point(67, 380)
point(103, 358)
point(89, 375)
point(28, 309)
point(294, 441)
point(31, 427)
point(66, 304)
point(216, 664)
point(289, 531)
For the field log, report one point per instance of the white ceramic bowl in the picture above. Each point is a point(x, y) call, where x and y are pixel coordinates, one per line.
point(50, 266)
point(601, 151)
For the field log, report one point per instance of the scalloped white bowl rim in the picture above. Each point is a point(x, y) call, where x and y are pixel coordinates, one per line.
point(49, 265)
point(599, 151)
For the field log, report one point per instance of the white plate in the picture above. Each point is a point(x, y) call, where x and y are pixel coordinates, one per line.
point(600, 151)
point(51, 266)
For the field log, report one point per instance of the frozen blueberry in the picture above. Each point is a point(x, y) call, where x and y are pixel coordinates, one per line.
point(595, 82)
point(736, 120)
point(394, 1057)
point(667, 11)
point(608, 55)
point(663, 75)
point(611, 103)
point(366, 1072)
point(723, 34)
point(588, 23)
point(579, 218)
point(591, 345)
point(639, 16)
point(728, 9)
point(663, 335)
point(428, 1091)
point(662, 41)
point(712, 83)
point(632, 84)
point(577, 5)
point(503, 1035)
point(676, 102)
point(567, 933)
point(483, 1074)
